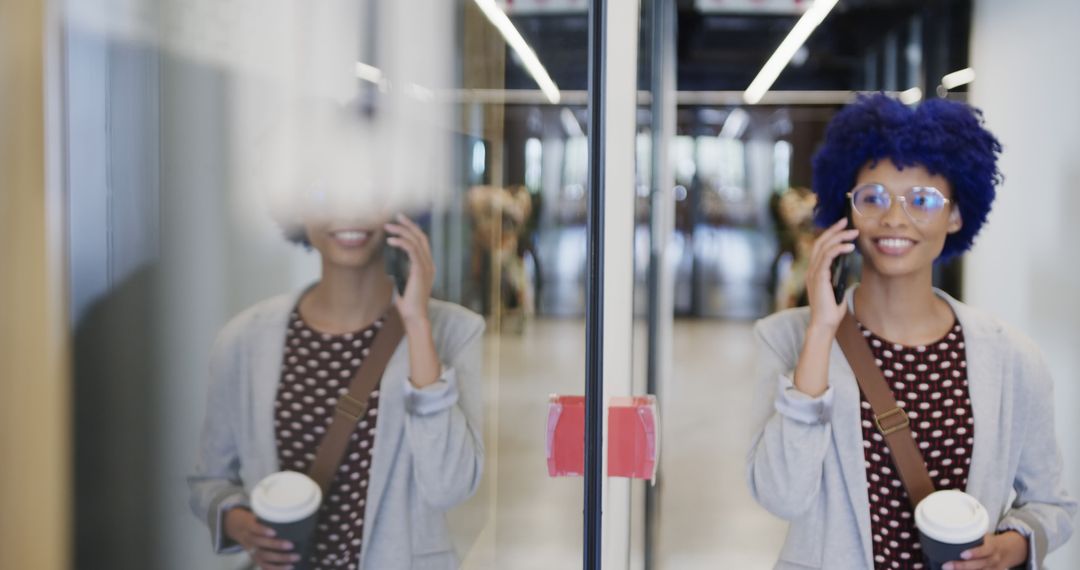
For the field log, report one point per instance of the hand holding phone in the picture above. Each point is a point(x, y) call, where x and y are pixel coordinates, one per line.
point(411, 265)
point(826, 275)
point(840, 269)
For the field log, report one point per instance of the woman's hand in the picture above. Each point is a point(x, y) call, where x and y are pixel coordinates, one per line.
point(825, 312)
point(812, 370)
point(267, 552)
point(998, 552)
point(413, 303)
point(424, 367)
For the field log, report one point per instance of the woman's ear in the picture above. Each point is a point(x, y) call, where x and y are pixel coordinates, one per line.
point(955, 221)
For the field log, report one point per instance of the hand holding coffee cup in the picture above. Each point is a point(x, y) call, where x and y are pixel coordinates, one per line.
point(950, 523)
point(287, 505)
point(267, 551)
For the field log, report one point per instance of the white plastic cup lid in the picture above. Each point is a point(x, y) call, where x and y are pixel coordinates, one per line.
point(952, 517)
point(286, 496)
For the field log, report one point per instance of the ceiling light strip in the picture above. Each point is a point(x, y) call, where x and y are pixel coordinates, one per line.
point(783, 54)
point(958, 78)
point(528, 57)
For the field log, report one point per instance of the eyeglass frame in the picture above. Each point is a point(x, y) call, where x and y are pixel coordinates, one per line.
point(902, 198)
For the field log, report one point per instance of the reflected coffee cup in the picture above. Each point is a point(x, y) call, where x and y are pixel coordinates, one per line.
point(949, 523)
point(288, 502)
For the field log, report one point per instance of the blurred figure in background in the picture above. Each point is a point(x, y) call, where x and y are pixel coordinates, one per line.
point(500, 222)
point(278, 370)
point(794, 213)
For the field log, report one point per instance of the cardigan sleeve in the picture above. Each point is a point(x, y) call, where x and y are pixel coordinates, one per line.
point(1043, 511)
point(443, 424)
point(792, 431)
point(214, 482)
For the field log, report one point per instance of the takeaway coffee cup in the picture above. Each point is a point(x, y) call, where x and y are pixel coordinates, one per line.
point(949, 523)
point(288, 502)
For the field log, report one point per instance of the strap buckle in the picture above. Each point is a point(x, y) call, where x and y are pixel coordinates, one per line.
point(351, 407)
point(902, 423)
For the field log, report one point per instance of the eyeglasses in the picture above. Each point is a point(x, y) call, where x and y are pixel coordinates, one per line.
point(921, 203)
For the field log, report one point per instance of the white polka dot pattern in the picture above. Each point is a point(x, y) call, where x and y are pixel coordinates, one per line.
point(302, 413)
point(930, 383)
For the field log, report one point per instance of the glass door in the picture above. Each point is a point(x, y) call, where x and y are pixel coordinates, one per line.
point(203, 139)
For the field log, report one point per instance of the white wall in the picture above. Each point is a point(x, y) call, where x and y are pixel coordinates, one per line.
point(1024, 267)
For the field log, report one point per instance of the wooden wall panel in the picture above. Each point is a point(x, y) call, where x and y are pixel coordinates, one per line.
point(34, 406)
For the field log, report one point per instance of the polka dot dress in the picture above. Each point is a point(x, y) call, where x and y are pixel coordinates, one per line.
point(316, 372)
point(930, 383)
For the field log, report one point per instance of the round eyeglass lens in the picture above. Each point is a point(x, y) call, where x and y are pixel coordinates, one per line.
point(923, 203)
point(871, 200)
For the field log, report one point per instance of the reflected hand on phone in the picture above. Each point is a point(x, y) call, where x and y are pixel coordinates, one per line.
point(412, 304)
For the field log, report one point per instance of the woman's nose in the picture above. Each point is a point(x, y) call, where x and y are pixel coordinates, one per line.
point(895, 215)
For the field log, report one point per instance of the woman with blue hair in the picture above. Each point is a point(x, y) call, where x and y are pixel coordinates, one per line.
point(915, 185)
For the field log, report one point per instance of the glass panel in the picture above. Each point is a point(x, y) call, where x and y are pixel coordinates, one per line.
point(743, 168)
point(201, 135)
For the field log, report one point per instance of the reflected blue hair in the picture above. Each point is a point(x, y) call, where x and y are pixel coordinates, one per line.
point(945, 137)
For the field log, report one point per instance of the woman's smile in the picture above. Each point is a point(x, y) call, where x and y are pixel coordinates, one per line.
point(894, 246)
point(351, 238)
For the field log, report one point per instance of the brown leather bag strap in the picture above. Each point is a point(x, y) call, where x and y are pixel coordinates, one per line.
point(890, 419)
point(353, 405)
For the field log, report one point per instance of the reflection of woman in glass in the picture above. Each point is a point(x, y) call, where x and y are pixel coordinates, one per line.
point(919, 184)
point(277, 370)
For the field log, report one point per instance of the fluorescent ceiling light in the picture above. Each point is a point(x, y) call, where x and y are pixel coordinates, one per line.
point(736, 124)
point(911, 96)
point(528, 57)
point(783, 54)
point(368, 73)
point(570, 123)
point(958, 78)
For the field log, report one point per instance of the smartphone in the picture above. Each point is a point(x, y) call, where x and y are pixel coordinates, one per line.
point(397, 261)
point(841, 269)
point(397, 265)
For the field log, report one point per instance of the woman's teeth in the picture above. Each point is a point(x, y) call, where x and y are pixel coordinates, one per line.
point(350, 235)
point(894, 245)
point(895, 242)
point(350, 238)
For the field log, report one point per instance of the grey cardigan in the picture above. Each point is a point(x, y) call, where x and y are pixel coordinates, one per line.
point(806, 462)
point(428, 449)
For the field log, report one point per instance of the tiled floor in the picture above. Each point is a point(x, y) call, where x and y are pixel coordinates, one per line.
point(528, 519)
point(522, 519)
point(707, 518)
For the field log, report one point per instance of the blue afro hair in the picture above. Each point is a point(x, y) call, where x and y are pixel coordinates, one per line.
point(945, 137)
